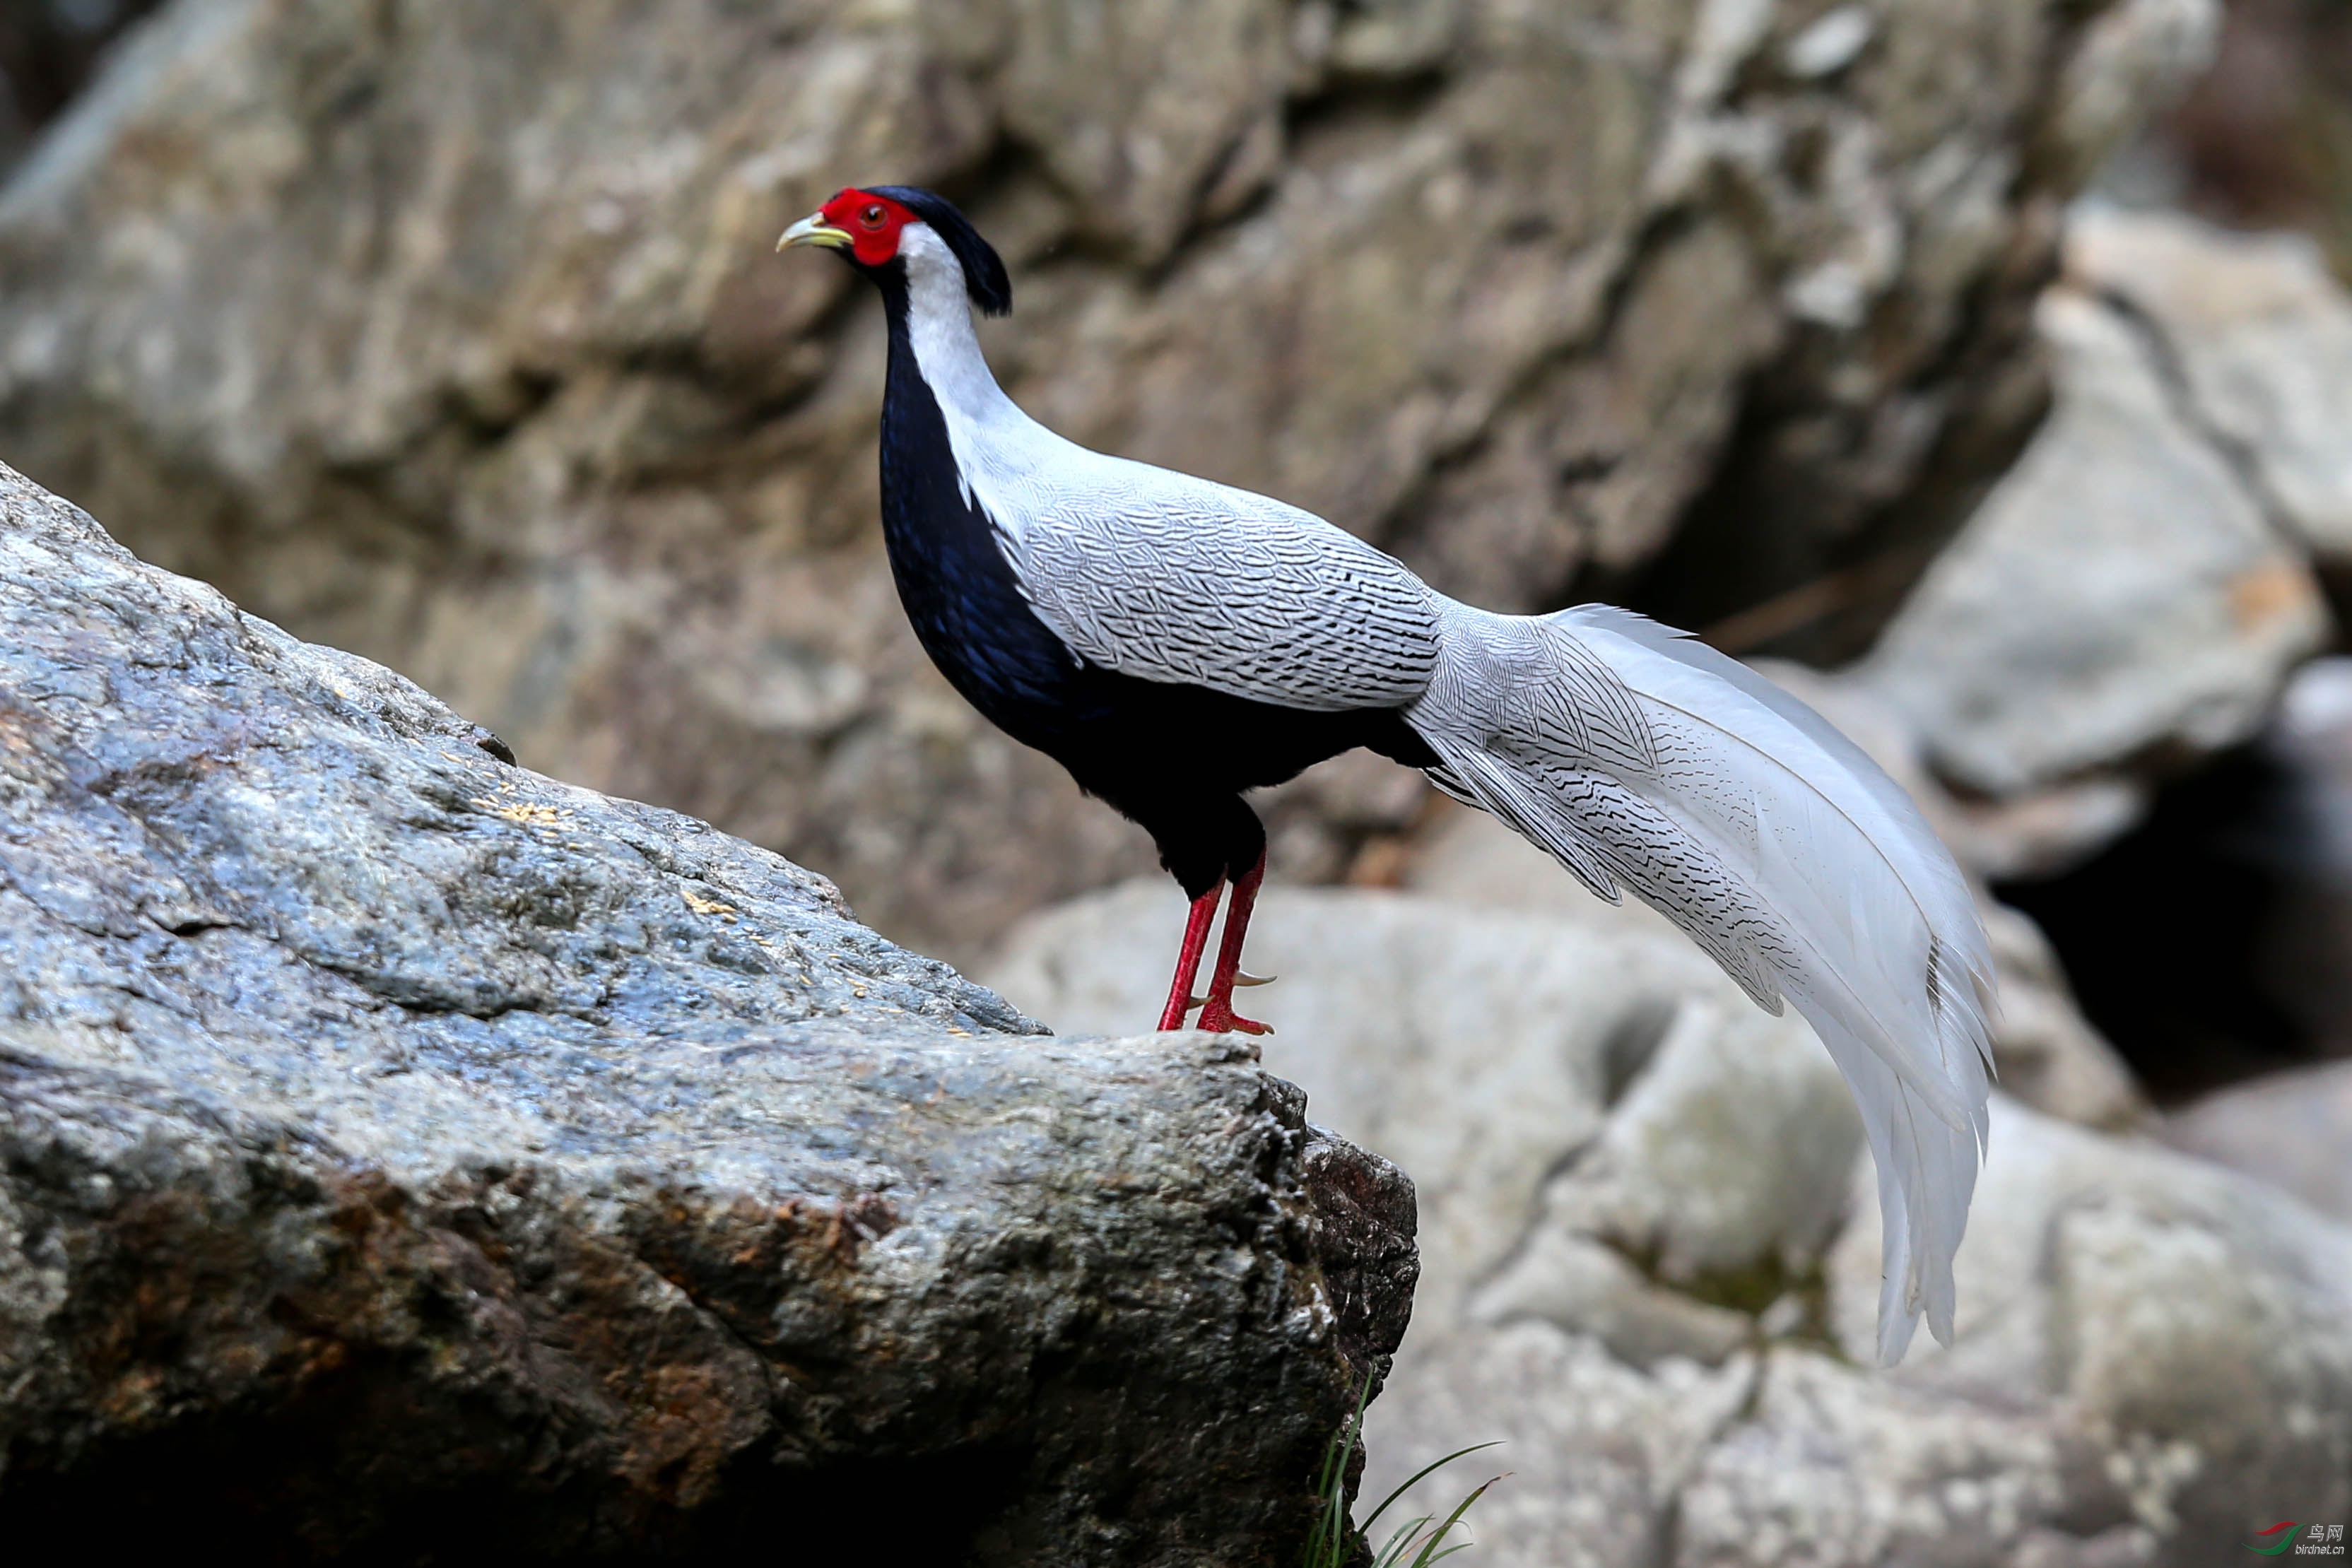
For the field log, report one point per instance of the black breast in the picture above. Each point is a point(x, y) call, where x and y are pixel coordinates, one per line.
point(952, 577)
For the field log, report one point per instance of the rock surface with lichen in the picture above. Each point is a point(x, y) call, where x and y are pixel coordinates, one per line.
point(403, 1155)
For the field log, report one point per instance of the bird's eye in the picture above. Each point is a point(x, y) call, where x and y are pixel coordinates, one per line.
point(872, 216)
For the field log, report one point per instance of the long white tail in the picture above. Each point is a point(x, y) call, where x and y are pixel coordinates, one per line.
point(1642, 759)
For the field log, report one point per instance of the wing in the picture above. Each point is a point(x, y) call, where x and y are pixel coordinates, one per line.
point(1168, 578)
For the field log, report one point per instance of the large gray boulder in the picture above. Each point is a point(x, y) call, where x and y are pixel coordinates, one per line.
point(1651, 1249)
point(2136, 593)
point(451, 335)
point(398, 1147)
point(2122, 593)
point(2257, 334)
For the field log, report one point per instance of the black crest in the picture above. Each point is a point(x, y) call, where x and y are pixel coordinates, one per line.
point(984, 272)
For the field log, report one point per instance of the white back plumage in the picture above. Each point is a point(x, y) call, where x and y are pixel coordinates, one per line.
point(1159, 574)
point(1638, 758)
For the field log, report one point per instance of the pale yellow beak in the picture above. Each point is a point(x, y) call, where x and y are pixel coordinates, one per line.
point(814, 230)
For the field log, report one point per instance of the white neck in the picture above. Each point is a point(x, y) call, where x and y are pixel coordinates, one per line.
point(940, 331)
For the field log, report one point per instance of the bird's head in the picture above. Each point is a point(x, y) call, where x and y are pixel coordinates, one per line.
point(883, 228)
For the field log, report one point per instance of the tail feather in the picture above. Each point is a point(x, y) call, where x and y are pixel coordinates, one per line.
point(1645, 761)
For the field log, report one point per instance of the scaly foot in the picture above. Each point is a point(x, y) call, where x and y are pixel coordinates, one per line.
point(1219, 1017)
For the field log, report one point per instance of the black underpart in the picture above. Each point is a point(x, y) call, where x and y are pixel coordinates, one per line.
point(1173, 758)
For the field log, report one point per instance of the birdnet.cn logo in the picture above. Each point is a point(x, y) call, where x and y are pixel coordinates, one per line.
point(2303, 1539)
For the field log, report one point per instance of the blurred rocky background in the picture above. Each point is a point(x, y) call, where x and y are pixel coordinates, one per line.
point(450, 334)
point(1983, 368)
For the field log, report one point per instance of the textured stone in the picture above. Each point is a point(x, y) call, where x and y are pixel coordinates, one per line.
point(450, 333)
point(1721, 1173)
point(398, 1147)
point(1597, 1451)
point(2181, 1337)
point(2260, 338)
point(1144, 107)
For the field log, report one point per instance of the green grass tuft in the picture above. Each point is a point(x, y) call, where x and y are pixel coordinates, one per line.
point(1338, 1543)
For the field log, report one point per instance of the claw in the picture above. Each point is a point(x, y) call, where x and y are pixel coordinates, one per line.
point(1242, 977)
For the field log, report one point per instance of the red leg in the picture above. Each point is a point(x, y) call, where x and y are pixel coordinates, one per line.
point(1217, 1014)
point(1188, 959)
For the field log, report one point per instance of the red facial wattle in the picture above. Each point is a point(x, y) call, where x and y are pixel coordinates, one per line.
point(872, 222)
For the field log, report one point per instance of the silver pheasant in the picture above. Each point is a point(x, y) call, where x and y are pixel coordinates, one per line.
point(1175, 642)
